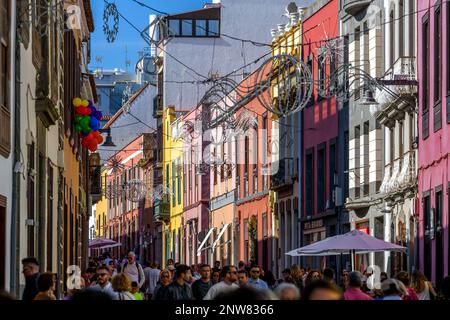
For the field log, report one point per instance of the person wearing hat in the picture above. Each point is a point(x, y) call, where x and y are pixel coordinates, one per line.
point(353, 291)
point(393, 289)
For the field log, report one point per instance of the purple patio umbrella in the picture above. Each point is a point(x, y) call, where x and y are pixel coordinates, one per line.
point(100, 243)
point(351, 242)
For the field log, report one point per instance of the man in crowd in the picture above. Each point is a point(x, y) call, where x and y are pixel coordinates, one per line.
point(243, 278)
point(321, 290)
point(229, 276)
point(31, 273)
point(133, 270)
point(215, 276)
point(255, 281)
point(103, 283)
point(328, 275)
point(353, 291)
point(179, 289)
point(201, 287)
point(151, 279)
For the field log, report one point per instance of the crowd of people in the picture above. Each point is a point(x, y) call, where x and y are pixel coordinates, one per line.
point(107, 278)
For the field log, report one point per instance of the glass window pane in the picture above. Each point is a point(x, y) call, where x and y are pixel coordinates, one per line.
point(213, 28)
point(200, 28)
point(186, 28)
point(174, 27)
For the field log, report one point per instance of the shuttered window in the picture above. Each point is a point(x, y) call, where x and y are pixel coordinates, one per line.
point(5, 79)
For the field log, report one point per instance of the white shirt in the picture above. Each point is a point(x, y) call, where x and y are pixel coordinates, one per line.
point(106, 289)
point(132, 271)
point(219, 288)
point(152, 276)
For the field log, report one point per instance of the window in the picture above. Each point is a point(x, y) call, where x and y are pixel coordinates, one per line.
point(173, 182)
point(5, 115)
point(309, 182)
point(215, 166)
point(222, 164)
point(392, 44)
point(439, 244)
point(426, 230)
point(321, 179)
point(213, 28)
point(246, 163)
point(437, 114)
point(187, 28)
point(246, 240)
point(167, 178)
point(310, 64)
point(401, 28)
point(321, 76)
point(365, 165)
point(200, 28)
point(49, 214)
point(356, 169)
point(425, 77)
point(179, 180)
point(31, 198)
point(332, 170)
point(357, 61)
point(174, 27)
point(437, 53)
point(447, 27)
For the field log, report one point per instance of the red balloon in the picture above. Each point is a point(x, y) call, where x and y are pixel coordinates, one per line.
point(99, 139)
point(84, 143)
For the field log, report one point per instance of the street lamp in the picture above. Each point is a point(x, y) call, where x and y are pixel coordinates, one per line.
point(108, 141)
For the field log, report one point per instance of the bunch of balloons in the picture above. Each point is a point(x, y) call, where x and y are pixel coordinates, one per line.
point(87, 123)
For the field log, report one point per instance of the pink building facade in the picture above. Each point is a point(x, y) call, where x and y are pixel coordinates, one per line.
point(196, 186)
point(434, 138)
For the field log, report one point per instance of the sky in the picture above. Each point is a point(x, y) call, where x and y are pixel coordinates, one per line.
point(128, 41)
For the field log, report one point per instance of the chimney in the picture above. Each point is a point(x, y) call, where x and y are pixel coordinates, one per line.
point(153, 34)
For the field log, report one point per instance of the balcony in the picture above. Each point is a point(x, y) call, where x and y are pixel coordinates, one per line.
point(400, 177)
point(352, 7)
point(162, 209)
point(47, 111)
point(285, 175)
point(402, 81)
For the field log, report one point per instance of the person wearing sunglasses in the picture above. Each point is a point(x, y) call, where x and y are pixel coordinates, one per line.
point(255, 281)
point(229, 276)
point(160, 292)
point(103, 283)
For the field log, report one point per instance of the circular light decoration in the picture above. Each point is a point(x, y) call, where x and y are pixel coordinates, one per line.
point(135, 190)
point(285, 85)
point(110, 12)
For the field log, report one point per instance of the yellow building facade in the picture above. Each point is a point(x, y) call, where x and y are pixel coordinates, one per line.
point(101, 211)
point(173, 185)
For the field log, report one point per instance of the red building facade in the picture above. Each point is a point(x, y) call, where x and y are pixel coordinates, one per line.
point(253, 209)
point(319, 131)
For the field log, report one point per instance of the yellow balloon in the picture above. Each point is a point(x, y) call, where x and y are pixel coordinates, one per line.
point(77, 102)
point(85, 103)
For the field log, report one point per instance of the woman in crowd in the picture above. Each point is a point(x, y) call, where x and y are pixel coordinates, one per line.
point(424, 289)
point(161, 288)
point(122, 286)
point(46, 286)
point(403, 277)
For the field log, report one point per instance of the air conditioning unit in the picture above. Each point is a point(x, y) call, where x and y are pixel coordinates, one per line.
point(29, 222)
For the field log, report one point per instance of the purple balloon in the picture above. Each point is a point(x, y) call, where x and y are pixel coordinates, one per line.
point(92, 109)
point(98, 115)
point(91, 104)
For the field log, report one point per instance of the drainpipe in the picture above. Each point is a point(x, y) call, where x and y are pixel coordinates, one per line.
point(15, 208)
